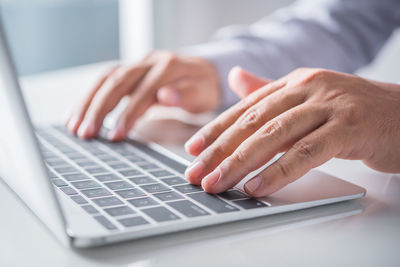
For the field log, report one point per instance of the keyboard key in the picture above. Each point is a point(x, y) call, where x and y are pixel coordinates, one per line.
point(68, 190)
point(96, 170)
point(250, 203)
point(49, 155)
point(105, 222)
point(76, 156)
point(133, 221)
point(90, 209)
point(86, 184)
point(233, 195)
point(143, 202)
point(107, 201)
point(64, 149)
point(51, 174)
point(107, 158)
point(161, 214)
point(59, 182)
point(125, 152)
point(148, 166)
point(76, 177)
point(86, 163)
point(161, 173)
point(212, 202)
point(107, 177)
point(142, 180)
point(134, 159)
point(174, 180)
point(167, 196)
point(130, 173)
point(97, 192)
point(57, 163)
point(94, 150)
point(188, 208)
point(79, 199)
point(130, 193)
point(66, 169)
point(154, 188)
point(119, 211)
point(188, 188)
point(93, 166)
point(119, 166)
point(118, 185)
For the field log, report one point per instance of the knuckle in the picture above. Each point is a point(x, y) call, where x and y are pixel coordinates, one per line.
point(249, 119)
point(170, 58)
point(240, 157)
point(215, 152)
point(272, 128)
point(351, 114)
point(304, 149)
point(306, 75)
point(333, 94)
point(283, 169)
point(300, 71)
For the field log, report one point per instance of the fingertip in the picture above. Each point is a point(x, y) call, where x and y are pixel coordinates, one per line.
point(168, 96)
point(116, 135)
point(209, 182)
point(86, 130)
point(253, 185)
point(195, 144)
point(194, 172)
point(73, 125)
point(233, 75)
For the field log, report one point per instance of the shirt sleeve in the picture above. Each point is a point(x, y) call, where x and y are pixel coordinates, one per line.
point(341, 35)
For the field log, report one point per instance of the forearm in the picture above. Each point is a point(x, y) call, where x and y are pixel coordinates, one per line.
point(333, 34)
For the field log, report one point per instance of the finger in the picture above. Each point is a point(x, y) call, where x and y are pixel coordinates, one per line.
point(78, 113)
point(263, 145)
point(121, 83)
point(143, 97)
point(309, 152)
point(248, 123)
point(244, 83)
point(189, 95)
point(209, 133)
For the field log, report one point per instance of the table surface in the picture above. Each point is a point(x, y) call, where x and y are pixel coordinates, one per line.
point(364, 232)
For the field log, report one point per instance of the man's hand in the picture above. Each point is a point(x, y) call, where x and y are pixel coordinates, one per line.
point(162, 77)
point(311, 114)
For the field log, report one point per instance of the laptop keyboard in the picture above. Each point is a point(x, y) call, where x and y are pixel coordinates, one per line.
point(127, 185)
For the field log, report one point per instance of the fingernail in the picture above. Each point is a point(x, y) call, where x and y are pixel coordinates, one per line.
point(212, 178)
point(195, 143)
point(117, 133)
point(252, 185)
point(194, 171)
point(72, 124)
point(86, 129)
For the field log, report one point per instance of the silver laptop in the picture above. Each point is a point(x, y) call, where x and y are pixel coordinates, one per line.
point(91, 193)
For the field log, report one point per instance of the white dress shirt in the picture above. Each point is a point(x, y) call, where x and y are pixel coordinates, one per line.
point(341, 35)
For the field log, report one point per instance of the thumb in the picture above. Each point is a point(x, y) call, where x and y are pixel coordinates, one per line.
point(244, 83)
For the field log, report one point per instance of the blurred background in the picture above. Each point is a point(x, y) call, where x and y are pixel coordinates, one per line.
point(47, 35)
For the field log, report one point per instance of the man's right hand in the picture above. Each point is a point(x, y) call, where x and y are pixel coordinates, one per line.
point(161, 77)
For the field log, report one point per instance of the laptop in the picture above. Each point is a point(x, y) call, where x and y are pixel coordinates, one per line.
point(91, 193)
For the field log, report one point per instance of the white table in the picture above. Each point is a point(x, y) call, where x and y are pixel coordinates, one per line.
point(357, 233)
